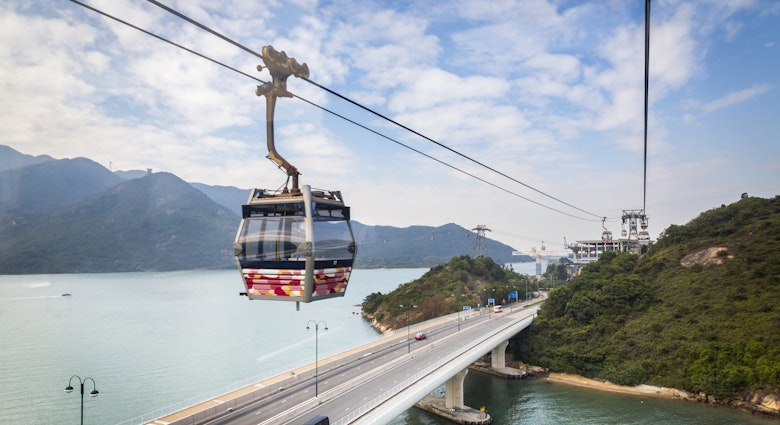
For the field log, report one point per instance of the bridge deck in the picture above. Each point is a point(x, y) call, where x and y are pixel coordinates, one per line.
point(380, 358)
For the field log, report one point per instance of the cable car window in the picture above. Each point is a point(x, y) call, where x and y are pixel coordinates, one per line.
point(273, 210)
point(333, 240)
point(272, 238)
point(338, 212)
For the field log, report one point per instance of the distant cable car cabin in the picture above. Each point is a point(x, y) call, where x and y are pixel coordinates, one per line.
point(294, 244)
point(606, 235)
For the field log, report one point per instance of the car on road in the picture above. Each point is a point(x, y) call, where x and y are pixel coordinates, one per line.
point(498, 309)
point(420, 336)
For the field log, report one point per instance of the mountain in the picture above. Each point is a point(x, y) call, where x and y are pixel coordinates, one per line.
point(228, 196)
point(74, 215)
point(11, 158)
point(421, 246)
point(158, 222)
point(700, 311)
point(131, 174)
point(50, 185)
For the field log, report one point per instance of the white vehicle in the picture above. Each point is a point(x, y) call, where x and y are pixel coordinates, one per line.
point(498, 309)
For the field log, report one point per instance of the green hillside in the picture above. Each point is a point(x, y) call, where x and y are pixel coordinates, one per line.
point(699, 312)
point(463, 281)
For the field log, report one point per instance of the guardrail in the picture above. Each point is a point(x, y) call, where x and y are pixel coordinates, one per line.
point(196, 400)
point(398, 388)
point(285, 370)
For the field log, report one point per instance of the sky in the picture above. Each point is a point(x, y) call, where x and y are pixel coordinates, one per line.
point(536, 106)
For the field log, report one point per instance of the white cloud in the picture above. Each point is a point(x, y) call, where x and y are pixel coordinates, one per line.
point(735, 98)
point(550, 93)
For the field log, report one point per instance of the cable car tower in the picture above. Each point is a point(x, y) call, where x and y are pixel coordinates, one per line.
point(480, 248)
point(295, 244)
point(638, 241)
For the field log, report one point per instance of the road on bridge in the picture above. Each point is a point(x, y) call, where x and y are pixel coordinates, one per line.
point(348, 384)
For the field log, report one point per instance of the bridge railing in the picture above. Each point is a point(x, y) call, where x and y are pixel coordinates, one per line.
point(195, 400)
point(386, 395)
point(376, 401)
point(235, 386)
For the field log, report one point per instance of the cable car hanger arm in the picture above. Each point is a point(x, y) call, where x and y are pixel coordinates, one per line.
point(280, 66)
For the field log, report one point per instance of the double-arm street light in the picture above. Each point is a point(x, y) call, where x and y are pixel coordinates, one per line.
point(93, 393)
point(316, 350)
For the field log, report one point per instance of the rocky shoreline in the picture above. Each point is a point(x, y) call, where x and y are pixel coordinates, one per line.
point(755, 402)
point(763, 403)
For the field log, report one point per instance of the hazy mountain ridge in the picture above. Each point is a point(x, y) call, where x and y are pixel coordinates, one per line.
point(11, 158)
point(158, 222)
point(50, 185)
point(74, 215)
point(422, 246)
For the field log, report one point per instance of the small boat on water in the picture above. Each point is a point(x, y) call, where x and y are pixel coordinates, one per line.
point(66, 294)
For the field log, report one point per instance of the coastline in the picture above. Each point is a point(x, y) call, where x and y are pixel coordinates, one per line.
point(766, 404)
point(763, 403)
point(645, 390)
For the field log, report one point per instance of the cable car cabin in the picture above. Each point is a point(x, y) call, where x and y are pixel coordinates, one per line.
point(295, 247)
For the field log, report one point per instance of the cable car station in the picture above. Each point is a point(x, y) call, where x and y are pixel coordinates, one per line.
point(631, 240)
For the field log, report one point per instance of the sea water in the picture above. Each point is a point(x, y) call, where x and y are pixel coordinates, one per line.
point(156, 342)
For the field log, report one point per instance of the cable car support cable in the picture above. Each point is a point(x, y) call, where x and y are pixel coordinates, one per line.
point(332, 112)
point(305, 78)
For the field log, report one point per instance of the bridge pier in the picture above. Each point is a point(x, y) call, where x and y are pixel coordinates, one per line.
point(498, 356)
point(454, 390)
point(452, 407)
point(498, 365)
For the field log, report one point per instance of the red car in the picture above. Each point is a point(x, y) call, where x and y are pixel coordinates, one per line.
point(420, 336)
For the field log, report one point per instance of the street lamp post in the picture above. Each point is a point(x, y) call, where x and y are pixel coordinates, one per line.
point(316, 351)
point(457, 299)
point(93, 393)
point(408, 331)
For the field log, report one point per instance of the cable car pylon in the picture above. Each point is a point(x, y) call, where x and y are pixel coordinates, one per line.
point(480, 247)
point(295, 244)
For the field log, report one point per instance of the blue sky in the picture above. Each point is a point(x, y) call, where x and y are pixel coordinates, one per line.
point(549, 93)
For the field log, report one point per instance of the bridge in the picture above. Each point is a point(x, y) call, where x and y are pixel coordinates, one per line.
point(373, 383)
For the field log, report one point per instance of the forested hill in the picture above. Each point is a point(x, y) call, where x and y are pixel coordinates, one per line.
point(699, 312)
point(463, 281)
